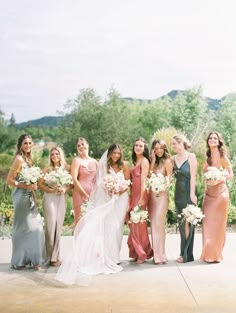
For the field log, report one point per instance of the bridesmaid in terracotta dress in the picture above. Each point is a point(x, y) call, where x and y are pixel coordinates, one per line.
point(215, 202)
point(83, 172)
point(138, 240)
point(158, 206)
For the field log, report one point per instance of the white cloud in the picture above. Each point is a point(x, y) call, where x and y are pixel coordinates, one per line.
point(52, 49)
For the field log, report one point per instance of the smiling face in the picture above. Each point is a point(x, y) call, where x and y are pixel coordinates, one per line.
point(213, 140)
point(115, 155)
point(82, 146)
point(177, 146)
point(139, 147)
point(159, 150)
point(26, 145)
point(55, 157)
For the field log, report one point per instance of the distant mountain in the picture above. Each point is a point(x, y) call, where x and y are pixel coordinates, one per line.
point(46, 121)
point(213, 104)
point(53, 121)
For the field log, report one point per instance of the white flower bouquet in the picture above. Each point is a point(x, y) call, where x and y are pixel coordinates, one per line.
point(158, 183)
point(114, 185)
point(191, 214)
point(30, 174)
point(58, 178)
point(215, 174)
point(138, 215)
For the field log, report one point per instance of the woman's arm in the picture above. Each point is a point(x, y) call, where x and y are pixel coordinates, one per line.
point(12, 174)
point(168, 165)
point(193, 174)
point(227, 165)
point(144, 173)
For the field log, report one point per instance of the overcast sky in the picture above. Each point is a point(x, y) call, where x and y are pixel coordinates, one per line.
point(51, 49)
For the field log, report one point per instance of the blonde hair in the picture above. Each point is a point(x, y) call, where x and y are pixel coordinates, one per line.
point(61, 152)
point(184, 140)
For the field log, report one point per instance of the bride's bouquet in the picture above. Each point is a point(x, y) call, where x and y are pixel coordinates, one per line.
point(158, 183)
point(191, 214)
point(138, 215)
point(114, 185)
point(215, 174)
point(58, 178)
point(30, 174)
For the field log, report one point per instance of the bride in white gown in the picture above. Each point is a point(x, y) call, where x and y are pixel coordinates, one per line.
point(98, 234)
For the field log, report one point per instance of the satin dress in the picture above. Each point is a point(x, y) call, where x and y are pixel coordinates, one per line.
point(157, 210)
point(27, 234)
point(215, 208)
point(138, 240)
point(86, 177)
point(182, 199)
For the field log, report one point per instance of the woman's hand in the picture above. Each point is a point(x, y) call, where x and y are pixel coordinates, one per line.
point(61, 190)
point(32, 187)
point(141, 202)
point(193, 198)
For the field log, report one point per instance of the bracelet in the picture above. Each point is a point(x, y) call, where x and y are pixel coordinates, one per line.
point(16, 183)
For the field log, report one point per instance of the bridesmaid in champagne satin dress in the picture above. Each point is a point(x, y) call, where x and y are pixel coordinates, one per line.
point(83, 172)
point(215, 202)
point(54, 206)
point(138, 240)
point(158, 205)
point(185, 170)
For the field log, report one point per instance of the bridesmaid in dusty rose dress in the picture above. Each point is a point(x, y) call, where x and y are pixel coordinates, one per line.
point(83, 172)
point(158, 205)
point(215, 202)
point(138, 240)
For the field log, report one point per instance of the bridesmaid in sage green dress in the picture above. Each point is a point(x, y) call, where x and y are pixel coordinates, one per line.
point(27, 234)
point(185, 169)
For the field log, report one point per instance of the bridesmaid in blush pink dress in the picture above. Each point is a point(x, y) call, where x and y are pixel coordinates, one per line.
point(138, 240)
point(83, 172)
point(158, 205)
point(215, 202)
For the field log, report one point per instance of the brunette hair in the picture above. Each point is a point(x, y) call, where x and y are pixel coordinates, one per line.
point(184, 140)
point(28, 157)
point(221, 147)
point(166, 154)
point(145, 152)
point(111, 148)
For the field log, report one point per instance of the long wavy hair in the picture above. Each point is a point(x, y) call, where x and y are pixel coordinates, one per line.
point(62, 155)
point(27, 157)
point(145, 152)
point(166, 154)
point(221, 147)
point(110, 150)
point(184, 140)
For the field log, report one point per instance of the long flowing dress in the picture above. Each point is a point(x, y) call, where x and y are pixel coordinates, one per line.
point(54, 207)
point(182, 199)
point(157, 210)
point(138, 240)
point(27, 234)
point(215, 207)
point(86, 177)
point(96, 244)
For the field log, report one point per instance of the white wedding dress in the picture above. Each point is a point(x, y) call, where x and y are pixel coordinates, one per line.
point(98, 234)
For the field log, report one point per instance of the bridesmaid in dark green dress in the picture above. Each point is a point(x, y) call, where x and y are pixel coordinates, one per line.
point(27, 234)
point(185, 168)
